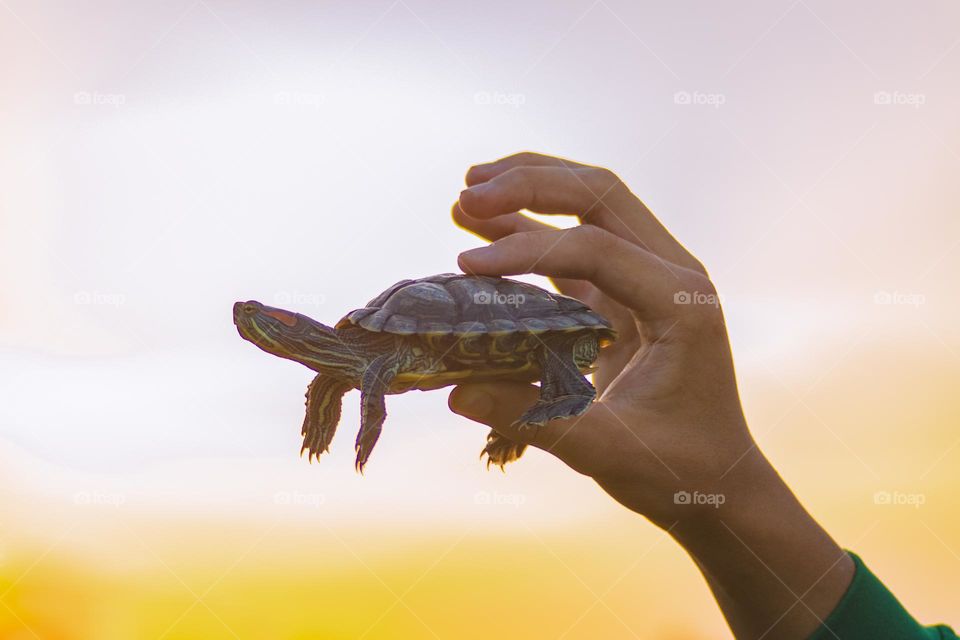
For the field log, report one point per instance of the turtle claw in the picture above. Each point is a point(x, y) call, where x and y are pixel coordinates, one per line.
point(361, 461)
point(312, 447)
point(363, 453)
point(546, 410)
point(501, 450)
point(324, 397)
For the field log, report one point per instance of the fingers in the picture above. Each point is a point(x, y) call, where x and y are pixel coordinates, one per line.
point(497, 227)
point(554, 190)
point(556, 186)
point(483, 172)
point(627, 273)
point(501, 226)
point(499, 404)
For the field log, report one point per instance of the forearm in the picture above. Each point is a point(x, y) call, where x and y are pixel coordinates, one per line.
point(774, 571)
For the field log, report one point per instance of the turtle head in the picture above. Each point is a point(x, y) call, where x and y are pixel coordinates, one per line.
point(295, 337)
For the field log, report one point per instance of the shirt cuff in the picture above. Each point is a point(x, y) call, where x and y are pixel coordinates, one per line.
point(869, 611)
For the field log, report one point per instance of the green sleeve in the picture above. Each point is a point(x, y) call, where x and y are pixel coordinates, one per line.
point(868, 611)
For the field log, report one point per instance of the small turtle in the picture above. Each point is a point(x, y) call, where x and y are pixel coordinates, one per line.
point(434, 332)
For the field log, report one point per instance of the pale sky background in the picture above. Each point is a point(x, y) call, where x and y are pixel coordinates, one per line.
point(160, 160)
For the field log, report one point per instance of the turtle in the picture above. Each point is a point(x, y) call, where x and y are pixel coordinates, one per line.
point(433, 332)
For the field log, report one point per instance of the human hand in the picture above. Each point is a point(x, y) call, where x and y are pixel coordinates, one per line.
point(667, 419)
point(667, 425)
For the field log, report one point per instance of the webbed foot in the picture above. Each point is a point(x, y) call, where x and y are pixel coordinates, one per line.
point(324, 399)
point(562, 407)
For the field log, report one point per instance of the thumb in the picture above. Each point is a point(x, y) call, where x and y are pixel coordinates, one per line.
point(499, 404)
point(496, 404)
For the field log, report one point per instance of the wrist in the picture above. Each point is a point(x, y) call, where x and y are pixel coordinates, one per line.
point(771, 565)
point(742, 496)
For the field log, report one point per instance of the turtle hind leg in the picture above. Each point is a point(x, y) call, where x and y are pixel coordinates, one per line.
point(373, 408)
point(501, 450)
point(324, 400)
point(564, 391)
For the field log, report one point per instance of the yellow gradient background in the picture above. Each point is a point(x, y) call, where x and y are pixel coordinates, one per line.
point(160, 160)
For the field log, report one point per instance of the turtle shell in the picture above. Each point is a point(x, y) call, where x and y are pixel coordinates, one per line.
point(456, 304)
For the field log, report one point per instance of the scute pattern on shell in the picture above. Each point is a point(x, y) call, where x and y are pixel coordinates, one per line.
point(457, 304)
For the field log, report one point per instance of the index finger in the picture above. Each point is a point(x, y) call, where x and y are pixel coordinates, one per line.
point(627, 273)
point(482, 172)
point(493, 229)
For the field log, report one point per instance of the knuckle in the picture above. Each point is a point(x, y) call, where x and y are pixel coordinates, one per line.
point(704, 285)
point(603, 179)
point(592, 236)
point(699, 303)
point(521, 182)
point(525, 242)
point(599, 185)
point(524, 157)
point(533, 238)
point(520, 176)
point(699, 267)
point(595, 244)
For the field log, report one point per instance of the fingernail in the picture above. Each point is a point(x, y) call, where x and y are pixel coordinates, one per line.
point(474, 261)
point(472, 403)
point(476, 171)
point(476, 190)
point(478, 252)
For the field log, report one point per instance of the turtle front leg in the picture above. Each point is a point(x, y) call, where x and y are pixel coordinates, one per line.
point(564, 391)
point(324, 400)
point(373, 410)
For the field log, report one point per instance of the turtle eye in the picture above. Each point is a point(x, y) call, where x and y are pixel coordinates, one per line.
point(249, 308)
